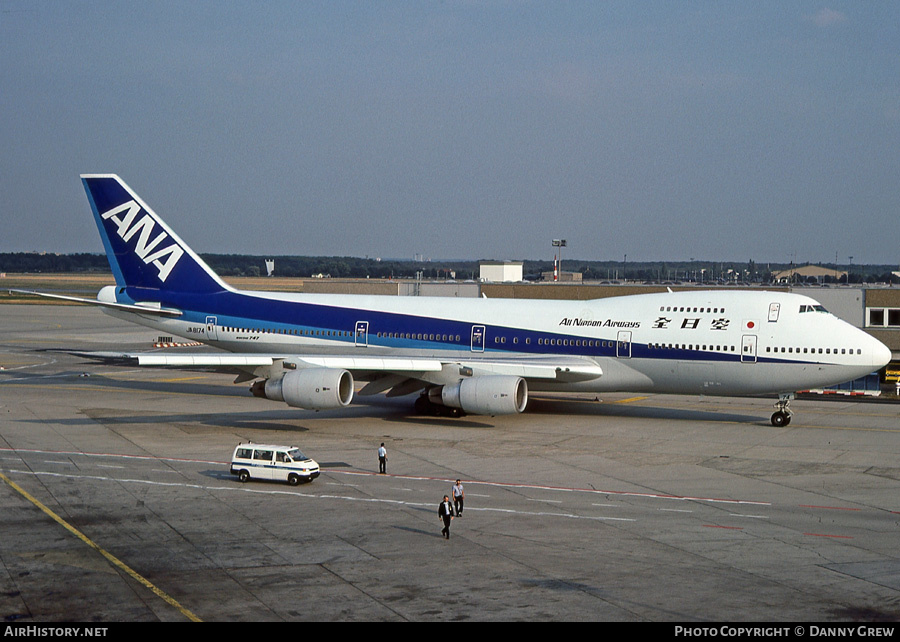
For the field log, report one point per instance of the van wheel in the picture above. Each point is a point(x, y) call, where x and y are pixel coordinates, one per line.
point(244, 476)
point(293, 480)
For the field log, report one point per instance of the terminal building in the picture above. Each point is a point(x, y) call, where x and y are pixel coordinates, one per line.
point(500, 271)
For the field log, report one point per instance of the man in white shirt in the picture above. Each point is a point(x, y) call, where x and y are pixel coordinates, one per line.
point(382, 459)
point(459, 496)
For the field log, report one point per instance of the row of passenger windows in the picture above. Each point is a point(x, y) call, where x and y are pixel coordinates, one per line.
point(502, 340)
point(690, 346)
point(299, 333)
point(419, 336)
point(816, 350)
point(579, 343)
point(669, 308)
point(345, 333)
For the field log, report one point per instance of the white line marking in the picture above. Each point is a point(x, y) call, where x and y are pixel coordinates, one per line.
point(306, 496)
point(593, 491)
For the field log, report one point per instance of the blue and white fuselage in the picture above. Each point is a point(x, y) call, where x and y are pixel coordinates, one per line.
point(470, 355)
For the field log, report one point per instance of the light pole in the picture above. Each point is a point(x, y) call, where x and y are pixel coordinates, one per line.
point(560, 243)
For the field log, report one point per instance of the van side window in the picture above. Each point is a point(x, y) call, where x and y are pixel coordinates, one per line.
point(262, 455)
point(245, 453)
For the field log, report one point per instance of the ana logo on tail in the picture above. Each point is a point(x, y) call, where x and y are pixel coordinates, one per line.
point(128, 226)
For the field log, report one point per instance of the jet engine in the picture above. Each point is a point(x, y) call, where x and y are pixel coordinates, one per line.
point(310, 388)
point(484, 395)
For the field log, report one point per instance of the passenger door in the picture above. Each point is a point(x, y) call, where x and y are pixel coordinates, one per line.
point(623, 344)
point(361, 334)
point(282, 466)
point(262, 464)
point(748, 348)
point(477, 338)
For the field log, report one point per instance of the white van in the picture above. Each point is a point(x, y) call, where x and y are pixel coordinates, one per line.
point(265, 461)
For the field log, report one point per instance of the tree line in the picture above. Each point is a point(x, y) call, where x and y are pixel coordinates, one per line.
point(460, 270)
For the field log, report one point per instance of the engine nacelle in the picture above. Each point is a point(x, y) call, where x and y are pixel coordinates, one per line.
point(487, 395)
point(310, 388)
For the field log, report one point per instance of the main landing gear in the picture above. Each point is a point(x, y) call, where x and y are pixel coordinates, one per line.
point(782, 416)
point(424, 406)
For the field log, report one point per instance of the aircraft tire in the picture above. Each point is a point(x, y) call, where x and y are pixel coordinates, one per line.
point(780, 419)
point(423, 406)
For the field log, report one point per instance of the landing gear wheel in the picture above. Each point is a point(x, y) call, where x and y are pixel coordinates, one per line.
point(423, 406)
point(780, 419)
point(782, 416)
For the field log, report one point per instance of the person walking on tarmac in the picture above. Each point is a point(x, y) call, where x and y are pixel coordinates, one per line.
point(459, 497)
point(445, 512)
point(382, 459)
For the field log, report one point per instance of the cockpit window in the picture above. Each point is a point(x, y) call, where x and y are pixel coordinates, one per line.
point(812, 308)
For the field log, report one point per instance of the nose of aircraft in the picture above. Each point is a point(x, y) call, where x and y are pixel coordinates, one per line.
point(881, 354)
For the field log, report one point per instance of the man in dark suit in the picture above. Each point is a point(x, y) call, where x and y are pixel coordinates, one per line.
point(445, 512)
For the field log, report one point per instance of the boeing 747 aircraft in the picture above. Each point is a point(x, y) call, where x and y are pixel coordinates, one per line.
point(479, 356)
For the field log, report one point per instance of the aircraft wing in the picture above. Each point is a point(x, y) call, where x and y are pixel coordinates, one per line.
point(397, 374)
point(443, 371)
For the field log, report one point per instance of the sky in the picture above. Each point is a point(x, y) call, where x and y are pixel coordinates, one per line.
point(660, 131)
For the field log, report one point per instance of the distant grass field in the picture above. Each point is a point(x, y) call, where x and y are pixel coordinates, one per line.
point(87, 285)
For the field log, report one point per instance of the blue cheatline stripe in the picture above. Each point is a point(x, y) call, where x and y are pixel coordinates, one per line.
point(233, 309)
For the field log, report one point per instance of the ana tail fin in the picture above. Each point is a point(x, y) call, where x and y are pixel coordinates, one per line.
point(142, 251)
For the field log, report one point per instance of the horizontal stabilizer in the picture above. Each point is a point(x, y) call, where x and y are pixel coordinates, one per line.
point(125, 307)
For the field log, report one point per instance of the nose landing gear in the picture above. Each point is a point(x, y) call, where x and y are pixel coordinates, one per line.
point(782, 416)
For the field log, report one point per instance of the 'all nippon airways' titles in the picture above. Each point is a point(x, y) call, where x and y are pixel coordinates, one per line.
point(598, 323)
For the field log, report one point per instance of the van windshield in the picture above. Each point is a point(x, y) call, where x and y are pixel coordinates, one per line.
point(296, 455)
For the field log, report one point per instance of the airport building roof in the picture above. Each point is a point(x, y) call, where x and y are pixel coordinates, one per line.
point(806, 271)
